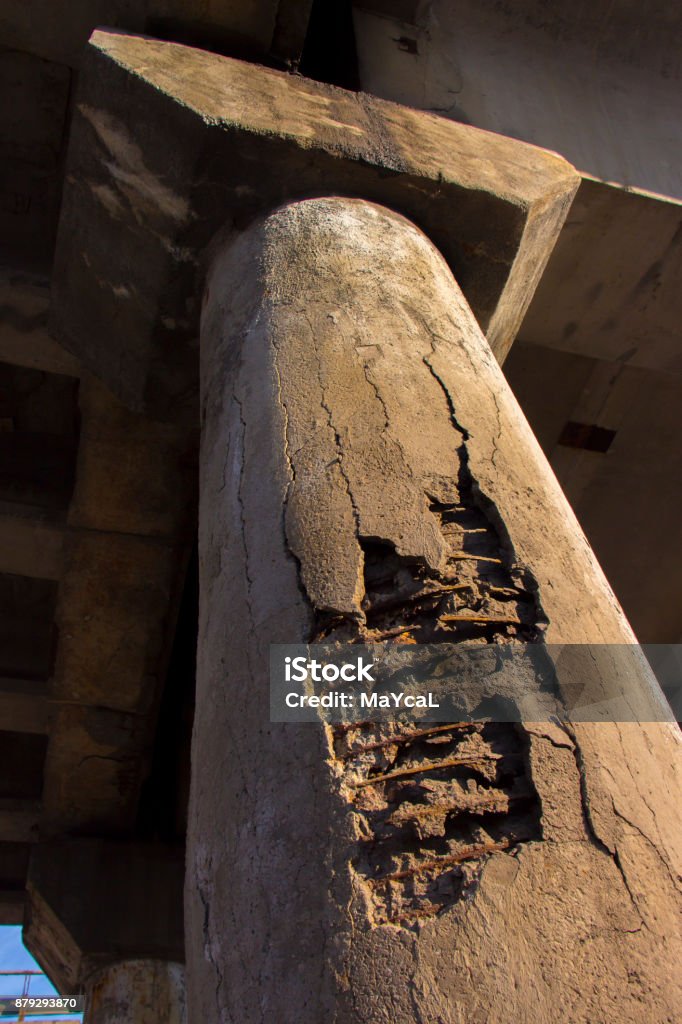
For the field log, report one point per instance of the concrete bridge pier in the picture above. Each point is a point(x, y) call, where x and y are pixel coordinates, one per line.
point(359, 435)
point(137, 992)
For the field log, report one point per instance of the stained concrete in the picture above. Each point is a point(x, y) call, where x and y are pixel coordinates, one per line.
point(600, 345)
point(599, 83)
point(137, 992)
point(348, 337)
point(611, 288)
point(89, 585)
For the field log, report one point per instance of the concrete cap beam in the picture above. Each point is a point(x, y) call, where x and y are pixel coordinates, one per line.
point(170, 145)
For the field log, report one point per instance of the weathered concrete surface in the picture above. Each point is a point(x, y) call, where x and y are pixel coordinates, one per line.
point(92, 902)
point(628, 497)
point(598, 83)
point(344, 381)
point(137, 992)
point(169, 143)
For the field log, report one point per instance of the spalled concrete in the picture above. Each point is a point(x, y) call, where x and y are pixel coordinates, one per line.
point(341, 368)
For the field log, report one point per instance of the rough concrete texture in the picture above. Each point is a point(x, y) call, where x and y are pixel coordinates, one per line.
point(137, 992)
point(356, 426)
point(169, 143)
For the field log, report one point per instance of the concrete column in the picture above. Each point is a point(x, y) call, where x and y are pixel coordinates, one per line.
point(137, 992)
point(359, 436)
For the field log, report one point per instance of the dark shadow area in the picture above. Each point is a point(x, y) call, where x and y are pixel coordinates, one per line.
point(162, 810)
point(329, 53)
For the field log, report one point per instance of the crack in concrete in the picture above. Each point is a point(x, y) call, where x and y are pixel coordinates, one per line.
point(590, 826)
point(291, 482)
point(247, 575)
point(340, 453)
point(675, 881)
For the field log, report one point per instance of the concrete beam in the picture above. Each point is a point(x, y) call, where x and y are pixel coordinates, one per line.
point(607, 105)
point(170, 145)
point(12, 906)
point(31, 547)
point(19, 820)
point(126, 540)
point(135, 476)
point(23, 706)
point(94, 766)
point(24, 341)
point(629, 315)
point(111, 616)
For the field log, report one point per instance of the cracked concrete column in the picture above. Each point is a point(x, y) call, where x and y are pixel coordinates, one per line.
point(137, 992)
point(364, 466)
